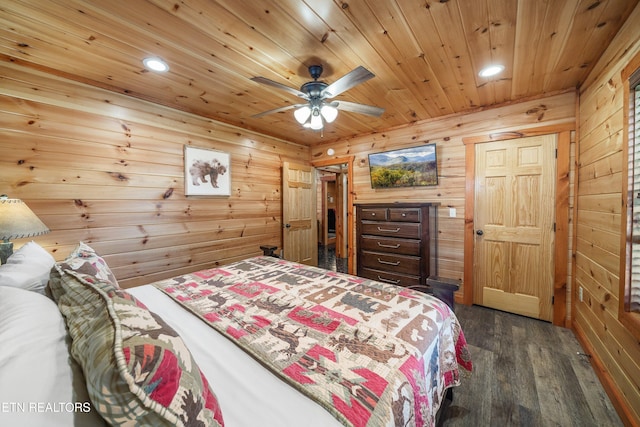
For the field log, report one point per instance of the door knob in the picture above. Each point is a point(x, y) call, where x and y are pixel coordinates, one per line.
point(287, 225)
point(479, 232)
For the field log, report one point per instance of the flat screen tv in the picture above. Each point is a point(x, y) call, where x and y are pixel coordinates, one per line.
point(407, 167)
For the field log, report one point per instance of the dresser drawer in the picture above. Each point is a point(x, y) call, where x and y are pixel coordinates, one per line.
point(391, 229)
point(391, 262)
point(375, 214)
point(388, 277)
point(404, 214)
point(390, 245)
point(396, 242)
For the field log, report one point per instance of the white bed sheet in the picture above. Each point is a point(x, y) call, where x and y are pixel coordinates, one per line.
point(40, 384)
point(248, 393)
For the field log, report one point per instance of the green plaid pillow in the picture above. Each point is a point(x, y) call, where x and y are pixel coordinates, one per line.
point(138, 370)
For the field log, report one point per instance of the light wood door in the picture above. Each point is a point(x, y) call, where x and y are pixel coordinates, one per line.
point(299, 236)
point(514, 225)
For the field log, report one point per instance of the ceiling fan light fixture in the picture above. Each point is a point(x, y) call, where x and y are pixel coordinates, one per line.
point(491, 70)
point(302, 114)
point(316, 121)
point(329, 113)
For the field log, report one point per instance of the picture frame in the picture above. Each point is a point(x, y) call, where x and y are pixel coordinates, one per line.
point(405, 167)
point(207, 172)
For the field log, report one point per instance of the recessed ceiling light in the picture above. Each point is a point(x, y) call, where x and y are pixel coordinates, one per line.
point(491, 70)
point(155, 64)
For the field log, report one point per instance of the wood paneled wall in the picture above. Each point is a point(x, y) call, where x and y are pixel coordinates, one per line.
point(447, 133)
point(601, 156)
point(108, 170)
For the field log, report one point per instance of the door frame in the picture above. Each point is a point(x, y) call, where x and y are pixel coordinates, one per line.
point(349, 207)
point(324, 182)
point(561, 212)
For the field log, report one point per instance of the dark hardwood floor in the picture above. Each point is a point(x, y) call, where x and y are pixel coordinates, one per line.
point(526, 373)
point(327, 259)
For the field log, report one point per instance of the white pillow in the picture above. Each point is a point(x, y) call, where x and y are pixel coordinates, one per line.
point(27, 268)
point(40, 384)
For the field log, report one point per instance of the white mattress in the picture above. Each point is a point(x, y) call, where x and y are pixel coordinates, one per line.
point(249, 394)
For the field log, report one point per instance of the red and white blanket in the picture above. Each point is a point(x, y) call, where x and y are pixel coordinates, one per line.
point(372, 354)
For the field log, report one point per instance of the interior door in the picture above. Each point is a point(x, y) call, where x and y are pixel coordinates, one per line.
point(514, 225)
point(299, 235)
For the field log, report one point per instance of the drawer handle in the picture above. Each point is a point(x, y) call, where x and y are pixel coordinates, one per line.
point(396, 246)
point(393, 282)
point(388, 262)
point(388, 230)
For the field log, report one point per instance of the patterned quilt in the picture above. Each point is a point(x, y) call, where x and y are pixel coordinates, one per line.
point(372, 354)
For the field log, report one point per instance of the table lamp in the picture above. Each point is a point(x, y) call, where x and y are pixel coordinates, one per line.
point(16, 221)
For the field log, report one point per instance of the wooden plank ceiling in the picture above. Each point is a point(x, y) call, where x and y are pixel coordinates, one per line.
point(426, 54)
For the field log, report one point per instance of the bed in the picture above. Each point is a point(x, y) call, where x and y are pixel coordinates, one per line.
point(262, 341)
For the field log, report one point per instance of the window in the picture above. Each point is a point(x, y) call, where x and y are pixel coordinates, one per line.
point(629, 310)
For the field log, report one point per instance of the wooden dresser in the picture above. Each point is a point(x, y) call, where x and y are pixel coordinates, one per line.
point(397, 242)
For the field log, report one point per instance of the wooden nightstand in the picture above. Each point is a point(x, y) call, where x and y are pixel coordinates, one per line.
point(269, 250)
point(443, 288)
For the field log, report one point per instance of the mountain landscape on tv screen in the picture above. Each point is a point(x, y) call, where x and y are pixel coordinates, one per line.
point(404, 168)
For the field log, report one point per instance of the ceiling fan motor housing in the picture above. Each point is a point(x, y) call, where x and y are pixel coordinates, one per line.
point(313, 89)
point(315, 71)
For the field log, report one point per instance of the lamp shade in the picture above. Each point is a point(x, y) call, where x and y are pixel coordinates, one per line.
point(316, 120)
point(329, 113)
point(302, 114)
point(18, 221)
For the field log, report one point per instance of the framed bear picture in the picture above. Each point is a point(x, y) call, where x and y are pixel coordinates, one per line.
point(206, 172)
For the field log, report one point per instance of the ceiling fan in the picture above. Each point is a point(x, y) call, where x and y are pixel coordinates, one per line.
point(318, 108)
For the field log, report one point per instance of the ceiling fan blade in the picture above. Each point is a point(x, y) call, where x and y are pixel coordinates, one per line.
point(369, 110)
point(266, 81)
point(346, 82)
point(278, 110)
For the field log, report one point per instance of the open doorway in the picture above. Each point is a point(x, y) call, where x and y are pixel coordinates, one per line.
point(332, 217)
